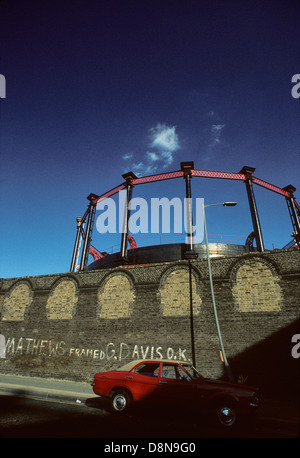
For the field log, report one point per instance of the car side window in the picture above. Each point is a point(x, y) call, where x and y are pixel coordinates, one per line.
point(169, 371)
point(173, 371)
point(148, 369)
point(182, 374)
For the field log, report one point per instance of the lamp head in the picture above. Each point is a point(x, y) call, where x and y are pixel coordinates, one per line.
point(229, 204)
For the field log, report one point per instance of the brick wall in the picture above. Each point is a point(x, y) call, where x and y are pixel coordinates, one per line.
point(75, 324)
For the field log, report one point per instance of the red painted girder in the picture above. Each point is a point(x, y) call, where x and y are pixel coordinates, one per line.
point(195, 173)
point(266, 185)
point(239, 176)
point(111, 192)
point(158, 177)
point(132, 242)
point(211, 174)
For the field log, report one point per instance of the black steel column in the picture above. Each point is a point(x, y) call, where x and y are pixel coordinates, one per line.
point(89, 230)
point(186, 167)
point(190, 254)
point(79, 225)
point(290, 200)
point(192, 315)
point(124, 240)
point(247, 171)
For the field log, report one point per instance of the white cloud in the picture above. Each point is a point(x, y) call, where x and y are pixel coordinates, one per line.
point(127, 156)
point(215, 134)
point(164, 138)
point(163, 144)
point(167, 156)
point(211, 114)
point(153, 157)
point(143, 169)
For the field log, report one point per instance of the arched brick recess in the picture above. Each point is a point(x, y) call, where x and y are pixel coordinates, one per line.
point(175, 292)
point(62, 300)
point(256, 286)
point(116, 296)
point(17, 301)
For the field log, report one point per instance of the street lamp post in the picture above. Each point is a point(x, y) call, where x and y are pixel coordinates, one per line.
point(189, 256)
point(227, 367)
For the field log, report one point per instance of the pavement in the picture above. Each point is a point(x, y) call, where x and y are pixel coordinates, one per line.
point(282, 411)
point(45, 389)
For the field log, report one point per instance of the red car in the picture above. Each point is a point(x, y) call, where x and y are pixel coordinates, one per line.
point(176, 384)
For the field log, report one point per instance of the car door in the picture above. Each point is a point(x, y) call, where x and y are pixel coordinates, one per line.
point(143, 382)
point(176, 386)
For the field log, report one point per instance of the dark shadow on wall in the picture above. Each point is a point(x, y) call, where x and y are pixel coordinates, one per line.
point(270, 365)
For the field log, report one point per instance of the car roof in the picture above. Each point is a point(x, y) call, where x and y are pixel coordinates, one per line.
point(129, 366)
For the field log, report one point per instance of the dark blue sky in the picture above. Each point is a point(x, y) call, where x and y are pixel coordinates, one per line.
point(98, 88)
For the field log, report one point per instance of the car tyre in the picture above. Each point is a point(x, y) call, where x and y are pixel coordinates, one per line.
point(226, 414)
point(120, 402)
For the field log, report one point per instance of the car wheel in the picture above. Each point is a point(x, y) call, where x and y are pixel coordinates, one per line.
point(226, 414)
point(120, 402)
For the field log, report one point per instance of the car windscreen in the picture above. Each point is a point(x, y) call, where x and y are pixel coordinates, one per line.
point(148, 369)
point(192, 371)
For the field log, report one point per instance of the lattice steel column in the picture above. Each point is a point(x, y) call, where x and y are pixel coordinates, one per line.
point(89, 230)
point(293, 211)
point(129, 177)
point(247, 171)
point(76, 245)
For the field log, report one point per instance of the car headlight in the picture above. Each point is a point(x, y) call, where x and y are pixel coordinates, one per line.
point(254, 401)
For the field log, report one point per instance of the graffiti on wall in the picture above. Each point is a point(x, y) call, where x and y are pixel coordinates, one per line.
point(108, 351)
point(2, 346)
